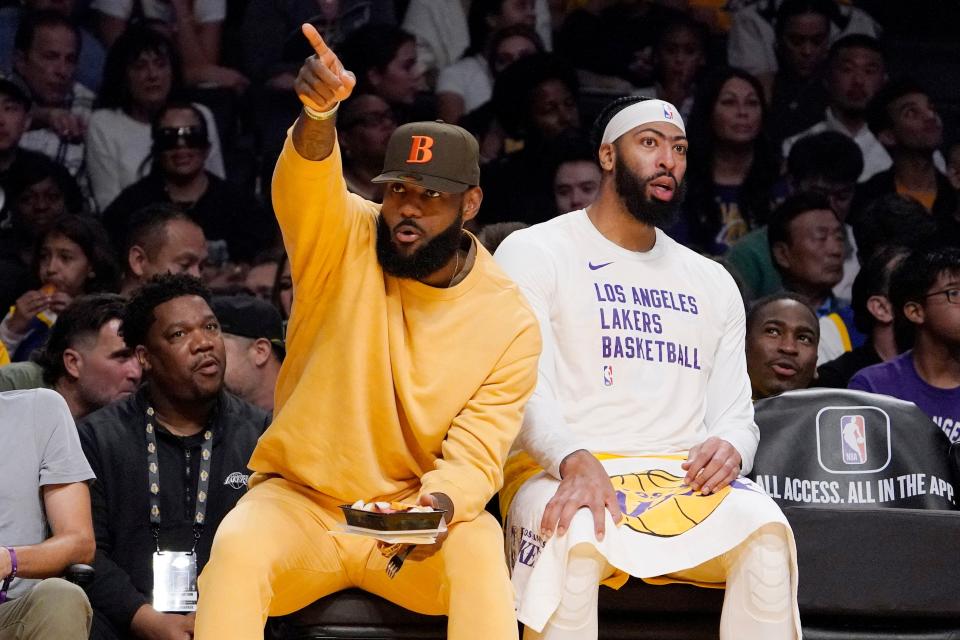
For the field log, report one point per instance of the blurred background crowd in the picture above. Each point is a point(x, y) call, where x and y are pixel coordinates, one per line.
point(138, 137)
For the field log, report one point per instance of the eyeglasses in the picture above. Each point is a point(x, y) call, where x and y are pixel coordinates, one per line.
point(168, 138)
point(953, 295)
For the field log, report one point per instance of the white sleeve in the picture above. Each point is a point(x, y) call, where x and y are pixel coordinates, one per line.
point(830, 346)
point(544, 23)
point(214, 163)
point(545, 434)
point(101, 160)
point(205, 11)
point(750, 43)
point(729, 411)
point(115, 8)
point(453, 78)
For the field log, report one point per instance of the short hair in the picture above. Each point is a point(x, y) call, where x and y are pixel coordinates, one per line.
point(35, 168)
point(147, 227)
point(606, 115)
point(878, 111)
point(762, 303)
point(829, 155)
point(92, 239)
point(135, 41)
point(873, 279)
point(792, 8)
point(855, 41)
point(493, 234)
point(81, 320)
point(892, 219)
point(138, 315)
point(778, 229)
point(513, 89)
point(919, 271)
point(34, 20)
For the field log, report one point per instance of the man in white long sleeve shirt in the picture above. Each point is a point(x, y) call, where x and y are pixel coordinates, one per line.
point(632, 445)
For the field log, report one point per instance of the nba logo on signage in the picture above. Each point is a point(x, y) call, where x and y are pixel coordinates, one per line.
point(607, 375)
point(853, 439)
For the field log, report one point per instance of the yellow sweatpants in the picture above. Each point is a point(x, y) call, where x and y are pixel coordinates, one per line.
point(273, 555)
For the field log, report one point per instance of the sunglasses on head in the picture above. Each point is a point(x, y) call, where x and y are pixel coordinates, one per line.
point(168, 138)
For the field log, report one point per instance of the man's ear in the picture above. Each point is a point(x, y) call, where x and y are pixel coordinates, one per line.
point(887, 138)
point(472, 198)
point(136, 259)
point(261, 349)
point(914, 312)
point(72, 363)
point(781, 255)
point(143, 358)
point(880, 308)
point(607, 157)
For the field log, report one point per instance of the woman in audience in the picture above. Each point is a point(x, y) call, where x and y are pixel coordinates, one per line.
point(71, 258)
point(468, 83)
point(731, 168)
point(142, 74)
point(235, 226)
point(384, 60)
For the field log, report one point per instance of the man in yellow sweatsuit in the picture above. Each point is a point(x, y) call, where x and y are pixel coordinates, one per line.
point(410, 356)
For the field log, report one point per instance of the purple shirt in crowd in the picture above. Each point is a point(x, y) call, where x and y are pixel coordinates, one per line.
point(899, 378)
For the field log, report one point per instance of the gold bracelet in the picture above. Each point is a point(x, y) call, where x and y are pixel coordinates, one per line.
point(313, 114)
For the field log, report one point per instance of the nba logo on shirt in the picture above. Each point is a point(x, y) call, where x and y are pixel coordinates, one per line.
point(667, 112)
point(607, 375)
point(853, 439)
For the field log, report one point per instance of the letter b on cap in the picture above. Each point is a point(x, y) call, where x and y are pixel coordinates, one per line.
point(420, 152)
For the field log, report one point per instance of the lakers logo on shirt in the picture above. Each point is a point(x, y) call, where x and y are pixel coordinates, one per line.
point(658, 503)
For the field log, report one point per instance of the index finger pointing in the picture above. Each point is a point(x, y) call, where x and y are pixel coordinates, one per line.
point(314, 38)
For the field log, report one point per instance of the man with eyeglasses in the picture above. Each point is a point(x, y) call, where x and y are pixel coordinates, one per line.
point(925, 291)
point(365, 125)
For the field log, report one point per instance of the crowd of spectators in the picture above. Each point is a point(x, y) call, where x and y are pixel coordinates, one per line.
point(139, 138)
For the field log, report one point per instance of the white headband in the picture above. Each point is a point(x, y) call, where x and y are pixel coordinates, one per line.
point(641, 113)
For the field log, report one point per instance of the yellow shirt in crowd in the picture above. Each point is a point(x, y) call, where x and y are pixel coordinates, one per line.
point(390, 384)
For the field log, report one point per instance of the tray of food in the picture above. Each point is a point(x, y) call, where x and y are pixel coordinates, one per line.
point(392, 517)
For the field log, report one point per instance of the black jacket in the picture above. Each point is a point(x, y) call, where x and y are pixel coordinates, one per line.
point(884, 183)
point(115, 443)
point(224, 212)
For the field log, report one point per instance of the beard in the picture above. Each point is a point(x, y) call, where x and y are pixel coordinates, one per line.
point(633, 192)
point(430, 257)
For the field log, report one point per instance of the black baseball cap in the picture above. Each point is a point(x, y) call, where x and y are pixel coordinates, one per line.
point(435, 155)
point(15, 90)
point(249, 317)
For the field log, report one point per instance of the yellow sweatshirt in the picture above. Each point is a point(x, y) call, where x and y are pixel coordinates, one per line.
point(390, 387)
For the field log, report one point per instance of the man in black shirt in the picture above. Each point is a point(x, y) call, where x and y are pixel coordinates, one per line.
point(170, 460)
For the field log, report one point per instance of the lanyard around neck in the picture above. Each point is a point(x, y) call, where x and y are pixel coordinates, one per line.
point(153, 469)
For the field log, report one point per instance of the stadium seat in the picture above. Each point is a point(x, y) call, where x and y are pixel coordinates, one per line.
point(868, 570)
point(877, 537)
